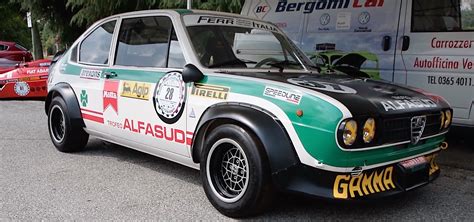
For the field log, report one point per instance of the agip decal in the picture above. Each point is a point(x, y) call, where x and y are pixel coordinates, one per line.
point(135, 90)
point(346, 186)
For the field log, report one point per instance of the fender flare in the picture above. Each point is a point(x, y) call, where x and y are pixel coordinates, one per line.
point(65, 91)
point(275, 140)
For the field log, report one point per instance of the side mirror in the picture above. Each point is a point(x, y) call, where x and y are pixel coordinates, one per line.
point(57, 56)
point(191, 73)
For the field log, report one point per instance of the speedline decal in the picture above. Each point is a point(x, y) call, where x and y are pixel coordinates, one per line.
point(283, 95)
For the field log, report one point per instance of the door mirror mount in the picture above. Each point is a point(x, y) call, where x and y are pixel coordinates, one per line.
point(191, 73)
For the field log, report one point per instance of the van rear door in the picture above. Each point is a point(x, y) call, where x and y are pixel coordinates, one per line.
point(438, 46)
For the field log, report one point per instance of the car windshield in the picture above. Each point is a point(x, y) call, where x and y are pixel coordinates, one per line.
point(245, 45)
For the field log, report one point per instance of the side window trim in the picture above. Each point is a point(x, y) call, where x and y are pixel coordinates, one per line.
point(79, 44)
point(116, 39)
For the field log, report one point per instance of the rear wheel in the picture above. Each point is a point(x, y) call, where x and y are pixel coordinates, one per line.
point(65, 136)
point(235, 173)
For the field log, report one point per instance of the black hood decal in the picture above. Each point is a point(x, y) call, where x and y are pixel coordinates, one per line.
point(362, 96)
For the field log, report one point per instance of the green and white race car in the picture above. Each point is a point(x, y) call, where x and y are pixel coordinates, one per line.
point(233, 97)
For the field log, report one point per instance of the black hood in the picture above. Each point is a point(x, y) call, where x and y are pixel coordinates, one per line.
point(362, 96)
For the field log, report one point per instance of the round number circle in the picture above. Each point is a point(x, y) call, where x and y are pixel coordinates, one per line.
point(169, 97)
point(22, 88)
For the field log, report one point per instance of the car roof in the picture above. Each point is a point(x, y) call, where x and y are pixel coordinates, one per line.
point(178, 12)
point(7, 43)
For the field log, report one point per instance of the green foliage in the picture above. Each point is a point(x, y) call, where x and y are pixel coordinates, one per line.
point(13, 24)
point(89, 11)
point(64, 20)
point(468, 20)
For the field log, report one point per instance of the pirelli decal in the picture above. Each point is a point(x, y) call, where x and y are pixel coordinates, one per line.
point(210, 91)
point(135, 90)
point(348, 186)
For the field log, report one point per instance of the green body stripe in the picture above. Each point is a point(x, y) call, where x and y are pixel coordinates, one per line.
point(316, 128)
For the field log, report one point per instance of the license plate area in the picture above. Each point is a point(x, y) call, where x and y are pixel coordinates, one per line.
point(413, 172)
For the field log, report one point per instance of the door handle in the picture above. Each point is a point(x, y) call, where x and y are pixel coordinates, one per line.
point(109, 75)
point(386, 43)
point(405, 43)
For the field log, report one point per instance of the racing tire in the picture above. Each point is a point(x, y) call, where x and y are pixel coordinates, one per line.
point(65, 136)
point(235, 172)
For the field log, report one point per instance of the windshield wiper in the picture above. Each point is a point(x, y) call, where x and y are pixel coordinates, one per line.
point(281, 64)
point(232, 62)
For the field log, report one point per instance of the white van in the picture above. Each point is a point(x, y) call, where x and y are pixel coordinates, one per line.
point(423, 43)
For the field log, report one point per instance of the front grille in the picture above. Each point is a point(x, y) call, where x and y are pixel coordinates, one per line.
point(398, 129)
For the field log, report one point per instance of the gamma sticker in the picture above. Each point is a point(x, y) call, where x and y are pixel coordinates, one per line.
point(283, 95)
point(169, 97)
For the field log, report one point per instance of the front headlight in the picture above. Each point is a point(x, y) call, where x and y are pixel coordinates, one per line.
point(368, 132)
point(349, 133)
point(448, 118)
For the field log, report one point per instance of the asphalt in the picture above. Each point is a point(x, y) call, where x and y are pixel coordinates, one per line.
point(108, 182)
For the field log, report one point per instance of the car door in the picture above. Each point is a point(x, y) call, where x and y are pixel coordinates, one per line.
point(86, 66)
point(438, 52)
point(151, 94)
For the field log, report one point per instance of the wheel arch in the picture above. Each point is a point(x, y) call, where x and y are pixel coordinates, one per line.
point(275, 140)
point(65, 91)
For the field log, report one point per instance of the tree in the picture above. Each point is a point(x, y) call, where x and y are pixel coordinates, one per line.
point(13, 24)
point(89, 11)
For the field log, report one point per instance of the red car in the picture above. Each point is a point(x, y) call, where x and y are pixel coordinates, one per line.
point(12, 53)
point(28, 80)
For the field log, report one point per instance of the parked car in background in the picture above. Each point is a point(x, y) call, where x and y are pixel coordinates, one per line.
point(12, 53)
point(358, 64)
point(25, 80)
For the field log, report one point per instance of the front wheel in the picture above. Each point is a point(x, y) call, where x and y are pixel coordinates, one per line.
point(65, 136)
point(235, 172)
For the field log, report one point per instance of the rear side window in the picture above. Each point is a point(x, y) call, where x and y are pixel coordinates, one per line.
point(442, 16)
point(143, 42)
point(95, 47)
point(3, 47)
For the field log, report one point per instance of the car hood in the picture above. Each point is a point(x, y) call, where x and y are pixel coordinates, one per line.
point(362, 96)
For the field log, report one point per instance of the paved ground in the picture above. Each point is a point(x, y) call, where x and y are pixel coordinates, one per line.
point(114, 183)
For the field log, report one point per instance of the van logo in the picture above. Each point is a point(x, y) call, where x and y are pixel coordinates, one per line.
point(262, 9)
point(325, 19)
point(417, 127)
point(364, 18)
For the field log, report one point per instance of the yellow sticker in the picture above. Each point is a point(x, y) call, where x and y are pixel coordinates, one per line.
point(346, 186)
point(136, 90)
point(210, 91)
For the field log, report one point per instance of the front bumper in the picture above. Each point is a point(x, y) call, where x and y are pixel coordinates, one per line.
point(370, 184)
